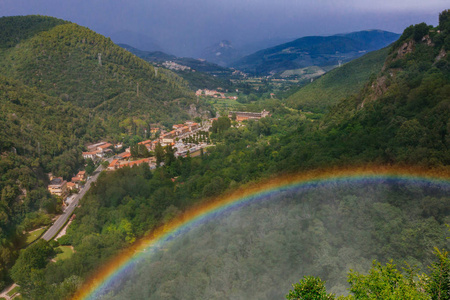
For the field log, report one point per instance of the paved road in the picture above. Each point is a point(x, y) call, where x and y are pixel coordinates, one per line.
point(62, 219)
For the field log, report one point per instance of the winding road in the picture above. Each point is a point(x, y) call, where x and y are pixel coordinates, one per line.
point(62, 219)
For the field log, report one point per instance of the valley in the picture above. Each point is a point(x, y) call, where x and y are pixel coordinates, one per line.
point(162, 136)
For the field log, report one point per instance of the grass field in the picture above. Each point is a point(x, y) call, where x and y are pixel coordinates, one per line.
point(225, 104)
point(32, 236)
point(66, 253)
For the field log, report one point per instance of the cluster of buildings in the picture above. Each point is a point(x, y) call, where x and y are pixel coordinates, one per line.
point(174, 66)
point(169, 138)
point(99, 150)
point(214, 94)
point(123, 162)
point(60, 187)
point(173, 138)
point(242, 115)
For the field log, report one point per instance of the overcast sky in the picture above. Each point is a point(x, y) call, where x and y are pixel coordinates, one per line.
point(185, 27)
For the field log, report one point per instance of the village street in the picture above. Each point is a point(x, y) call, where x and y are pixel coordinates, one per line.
point(62, 219)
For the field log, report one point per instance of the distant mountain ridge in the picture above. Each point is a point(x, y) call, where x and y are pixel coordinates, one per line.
point(140, 40)
point(314, 50)
point(200, 65)
point(222, 53)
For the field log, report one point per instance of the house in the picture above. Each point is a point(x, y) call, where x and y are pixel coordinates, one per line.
point(136, 162)
point(193, 126)
point(148, 144)
point(104, 147)
point(82, 175)
point(114, 165)
point(92, 155)
point(71, 186)
point(93, 147)
point(167, 141)
point(57, 186)
point(154, 130)
point(124, 155)
point(183, 130)
point(76, 180)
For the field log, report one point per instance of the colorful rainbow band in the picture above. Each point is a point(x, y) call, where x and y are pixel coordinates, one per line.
point(112, 271)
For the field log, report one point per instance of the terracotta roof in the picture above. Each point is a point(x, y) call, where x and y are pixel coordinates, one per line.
point(90, 153)
point(125, 154)
point(113, 163)
point(76, 179)
point(107, 145)
point(136, 162)
point(145, 142)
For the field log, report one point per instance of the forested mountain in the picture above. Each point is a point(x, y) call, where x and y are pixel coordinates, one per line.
point(56, 95)
point(339, 83)
point(325, 51)
point(78, 65)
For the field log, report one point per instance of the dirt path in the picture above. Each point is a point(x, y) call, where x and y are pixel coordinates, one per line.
point(6, 291)
point(63, 231)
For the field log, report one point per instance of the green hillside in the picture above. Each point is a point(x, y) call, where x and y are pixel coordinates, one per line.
point(338, 83)
point(64, 62)
point(39, 134)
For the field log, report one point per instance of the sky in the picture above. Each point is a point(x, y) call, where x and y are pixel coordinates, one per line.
point(186, 27)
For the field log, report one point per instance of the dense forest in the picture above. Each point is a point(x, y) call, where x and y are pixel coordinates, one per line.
point(400, 117)
point(255, 252)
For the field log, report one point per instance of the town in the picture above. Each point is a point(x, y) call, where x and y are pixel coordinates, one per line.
point(189, 138)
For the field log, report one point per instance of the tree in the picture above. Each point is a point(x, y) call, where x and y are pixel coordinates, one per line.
point(90, 167)
point(134, 151)
point(159, 153)
point(439, 280)
point(420, 30)
point(223, 123)
point(33, 258)
point(105, 164)
point(444, 20)
point(309, 288)
point(386, 282)
point(142, 151)
point(169, 157)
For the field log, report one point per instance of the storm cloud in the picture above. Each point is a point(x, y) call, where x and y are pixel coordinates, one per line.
point(185, 28)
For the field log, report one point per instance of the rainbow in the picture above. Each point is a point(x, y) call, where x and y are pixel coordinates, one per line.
point(113, 270)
